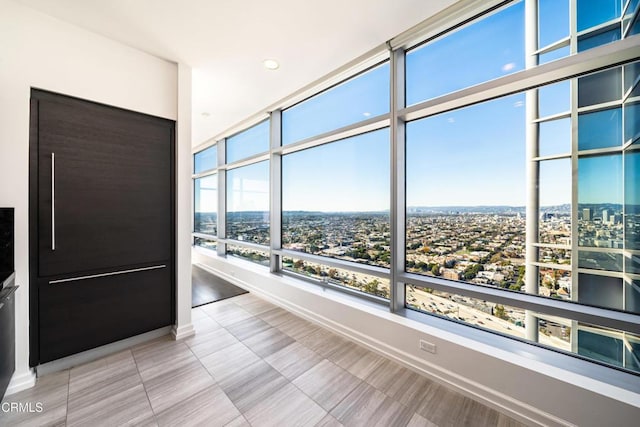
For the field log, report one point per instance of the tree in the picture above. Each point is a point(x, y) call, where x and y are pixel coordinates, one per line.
point(371, 287)
point(435, 270)
point(516, 286)
point(499, 312)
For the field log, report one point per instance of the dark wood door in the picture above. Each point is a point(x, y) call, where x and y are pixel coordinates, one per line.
point(103, 212)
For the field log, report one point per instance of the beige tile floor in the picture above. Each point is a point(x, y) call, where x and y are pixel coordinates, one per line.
point(250, 364)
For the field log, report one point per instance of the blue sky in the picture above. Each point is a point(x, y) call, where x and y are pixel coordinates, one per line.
point(348, 175)
point(472, 156)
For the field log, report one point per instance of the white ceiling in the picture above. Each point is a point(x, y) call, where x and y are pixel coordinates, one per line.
point(225, 42)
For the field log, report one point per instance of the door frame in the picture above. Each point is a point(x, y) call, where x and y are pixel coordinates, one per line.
point(34, 318)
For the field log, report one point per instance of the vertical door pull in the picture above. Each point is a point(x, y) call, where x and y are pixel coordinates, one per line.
point(53, 201)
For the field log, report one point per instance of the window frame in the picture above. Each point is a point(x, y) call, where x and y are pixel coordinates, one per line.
point(533, 76)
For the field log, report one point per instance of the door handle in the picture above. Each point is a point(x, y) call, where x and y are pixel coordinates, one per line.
point(53, 201)
point(113, 273)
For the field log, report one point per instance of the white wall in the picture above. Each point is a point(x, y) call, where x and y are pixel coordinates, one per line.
point(529, 390)
point(42, 52)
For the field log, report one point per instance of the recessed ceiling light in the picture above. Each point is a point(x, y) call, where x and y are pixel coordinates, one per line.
point(271, 64)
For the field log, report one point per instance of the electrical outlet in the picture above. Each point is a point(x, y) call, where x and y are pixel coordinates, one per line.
point(427, 346)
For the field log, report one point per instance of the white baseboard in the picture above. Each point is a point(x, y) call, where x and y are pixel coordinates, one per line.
point(21, 382)
point(514, 408)
point(182, 332)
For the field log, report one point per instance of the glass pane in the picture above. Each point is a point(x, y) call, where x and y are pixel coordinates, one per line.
point(204, 243)
point(562, 52)
point(601, 291)
point(635, 27)
point(555, 137)
point(252, 141)
point(632, 199)
point(554, 99)
point(253, 255)
point(503, 319)
point(595, 343)
point(631, 122)
point(553, 21)
point(600, 129)
point(205, 160)
point(364, 96)
point(595, 12)
point(555, 201)
point(493, 46)
point(248, 203)
point(631, 74)
point(337, 276)
point(632, 263)
point(554, 256)
point(206, 205)
point(594, 260)
point(600, 87)
point(600, 189)
point(599, 344)
point(555, 283)
point(599, 39)
point(464, 222)
point(343, 215)
point(632, 296)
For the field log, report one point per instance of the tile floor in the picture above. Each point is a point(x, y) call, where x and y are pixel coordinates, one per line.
point(250, 364)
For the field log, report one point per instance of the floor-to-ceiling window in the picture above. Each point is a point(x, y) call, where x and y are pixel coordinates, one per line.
point(486, 174)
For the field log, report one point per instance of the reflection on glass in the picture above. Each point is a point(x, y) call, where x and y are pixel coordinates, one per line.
point(205, 243)
point(629, 13)
point(555, 201)
point(554, 99)
point(493, 46)
point(205, 160)
point(364, 96)
point(631, 74)
point(598, 39)
point(247, 143)
point(601, 344)
point(632, 263)
point(600, 129)
point(631, 122)
point(248, 203)
point(345, 214)
point(555, 283)
point(553, 21)
point(600, 202)
point(632, 295)
point(562, 52)
point(465, 222)
point(632, 199)
point(206, 205)
point(253, 255)
point(604, 86)
point(555, 137)
point(337, 276)
point(596, 12)
point(595, 260)
point(601, 291)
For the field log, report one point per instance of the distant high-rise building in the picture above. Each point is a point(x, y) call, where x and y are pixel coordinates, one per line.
point(605, 216)
point(586, 214)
